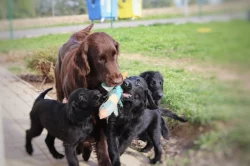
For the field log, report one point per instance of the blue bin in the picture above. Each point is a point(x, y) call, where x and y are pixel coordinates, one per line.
point(101, 9)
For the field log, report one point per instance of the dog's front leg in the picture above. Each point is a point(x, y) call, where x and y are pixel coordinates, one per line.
point(101, 145)
point(112, 143)
point(128, 135)
point(70, 152)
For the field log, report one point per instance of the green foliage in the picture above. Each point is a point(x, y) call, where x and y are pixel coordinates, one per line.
point(23, 8)
point(3, 9)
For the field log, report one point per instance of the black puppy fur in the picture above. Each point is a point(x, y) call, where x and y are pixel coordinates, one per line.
point(131, 120)
point(155, 82)
point(71, 122)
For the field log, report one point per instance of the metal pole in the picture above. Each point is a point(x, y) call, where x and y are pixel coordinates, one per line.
point(111, 14)
point(10, 13)
point(53, 7)
point(200, 8)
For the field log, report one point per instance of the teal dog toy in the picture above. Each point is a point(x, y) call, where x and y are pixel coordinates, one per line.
point(114, 96)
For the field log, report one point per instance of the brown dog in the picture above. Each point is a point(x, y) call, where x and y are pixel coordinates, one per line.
point(86, 62)
point(73, 42)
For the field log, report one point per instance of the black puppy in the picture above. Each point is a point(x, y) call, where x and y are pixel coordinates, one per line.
point(71, 122)
point(155, 82)
point(130, 121)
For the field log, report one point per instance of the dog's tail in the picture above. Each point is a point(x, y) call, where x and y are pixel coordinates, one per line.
point(42, 95)
point(170, 114)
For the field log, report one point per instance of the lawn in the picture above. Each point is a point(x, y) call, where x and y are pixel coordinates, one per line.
point(227, 43)
point(204, 100)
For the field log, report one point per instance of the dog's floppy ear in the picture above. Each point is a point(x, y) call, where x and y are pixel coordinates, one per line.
point(145, 76)
point(81, 35)
point(150, 101)
point(117, 47)
point(73, 112)
point(81, 61)
point(70, 112)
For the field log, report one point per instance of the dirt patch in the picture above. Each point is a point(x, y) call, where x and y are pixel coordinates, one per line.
point(38, 82)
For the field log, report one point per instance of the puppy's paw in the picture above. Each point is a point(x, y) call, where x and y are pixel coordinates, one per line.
point(29, 149)
point(154, 161)
point(86, 153)
point(144, 150)
point(58, 156)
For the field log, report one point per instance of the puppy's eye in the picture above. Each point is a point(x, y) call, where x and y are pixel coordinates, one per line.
point(152, 83)
point(136, 97)
point(95, 97)
point(138, 82)
point(160, 83)
point(83, 97)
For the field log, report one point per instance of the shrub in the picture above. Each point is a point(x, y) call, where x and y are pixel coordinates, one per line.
point(43, 63)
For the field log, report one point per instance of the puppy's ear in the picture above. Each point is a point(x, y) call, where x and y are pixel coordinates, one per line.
point(145, 76)
point(150, 101)
point(70, 112)
point(81, 61)
point(76, 114)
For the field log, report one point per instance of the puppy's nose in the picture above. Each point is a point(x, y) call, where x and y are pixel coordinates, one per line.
point(127, 85)
point(159, 95)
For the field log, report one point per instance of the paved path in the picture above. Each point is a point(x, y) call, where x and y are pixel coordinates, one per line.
point(75, 28)
point(16, 100)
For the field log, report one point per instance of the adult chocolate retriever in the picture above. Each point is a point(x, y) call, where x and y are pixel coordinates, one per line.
point(71, 122)
point(131, 120)
point(73, 42)
point(155, 82)
point(93, 61)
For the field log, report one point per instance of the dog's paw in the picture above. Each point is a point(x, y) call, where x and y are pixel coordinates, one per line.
point(86, 153)
point(154, 161)
point(58, 156)
point(144, 150)
point(29, 149)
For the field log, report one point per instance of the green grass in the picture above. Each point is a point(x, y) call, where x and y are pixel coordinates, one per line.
point(228, 43)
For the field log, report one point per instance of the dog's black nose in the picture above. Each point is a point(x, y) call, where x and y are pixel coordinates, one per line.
point(97, 94)
point(127, 85)
point(159, 95)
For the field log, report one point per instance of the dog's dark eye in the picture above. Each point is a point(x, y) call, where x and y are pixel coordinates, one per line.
point(160, 83)
point(152, 83)
point(138, 82)
point(136, 97)
point(95, 97)
point(102, 59)
point(83, 97)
